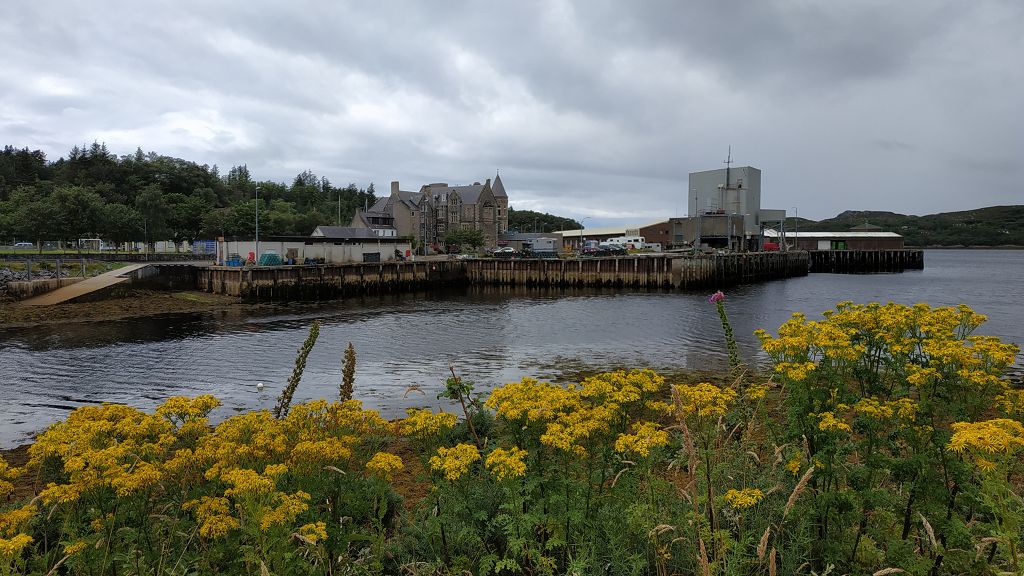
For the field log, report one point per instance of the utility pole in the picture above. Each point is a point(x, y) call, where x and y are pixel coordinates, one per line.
point(257, 224)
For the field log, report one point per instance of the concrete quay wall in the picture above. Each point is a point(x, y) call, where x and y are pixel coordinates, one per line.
point(322, 282)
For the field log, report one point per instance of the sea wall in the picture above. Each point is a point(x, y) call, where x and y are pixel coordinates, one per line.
point(322, 282)
point(865, 261)
point(30, 288)
point(325, 282)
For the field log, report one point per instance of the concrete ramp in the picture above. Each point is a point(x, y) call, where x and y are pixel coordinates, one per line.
point(84, 288)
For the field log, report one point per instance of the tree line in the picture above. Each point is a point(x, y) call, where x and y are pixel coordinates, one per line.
point(991, 226)
point(143, 197)
point(531, 221)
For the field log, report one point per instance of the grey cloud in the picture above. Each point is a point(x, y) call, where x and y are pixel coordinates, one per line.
point(589, 108)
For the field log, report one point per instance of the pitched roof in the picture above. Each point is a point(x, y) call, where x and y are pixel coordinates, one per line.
point(772, 233)
point(411, 199)
point(364, 218)
point(468, 194)
point(498, 188)
point(343, 232)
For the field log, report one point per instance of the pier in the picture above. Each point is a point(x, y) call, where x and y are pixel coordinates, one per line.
point(322, 282)
point(865, 261)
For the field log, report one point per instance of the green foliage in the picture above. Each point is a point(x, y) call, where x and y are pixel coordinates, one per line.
point(466, 238)
point(93, 193)
point(530, 221)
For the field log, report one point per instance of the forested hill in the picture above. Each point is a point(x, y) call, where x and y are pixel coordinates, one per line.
point(992, 226)
point(92, 193)
point(530, 221)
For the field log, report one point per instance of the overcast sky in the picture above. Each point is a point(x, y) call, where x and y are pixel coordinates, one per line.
point(593, 108)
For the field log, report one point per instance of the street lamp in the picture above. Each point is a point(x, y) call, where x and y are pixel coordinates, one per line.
point(580, 249)
point(257, 224)
point(796, 225)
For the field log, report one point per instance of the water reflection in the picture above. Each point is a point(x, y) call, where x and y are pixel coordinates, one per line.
point(491, 335)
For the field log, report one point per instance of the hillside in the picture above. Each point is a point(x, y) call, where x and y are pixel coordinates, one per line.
point(992, 226)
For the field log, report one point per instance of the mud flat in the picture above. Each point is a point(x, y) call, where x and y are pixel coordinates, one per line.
point(138, 303)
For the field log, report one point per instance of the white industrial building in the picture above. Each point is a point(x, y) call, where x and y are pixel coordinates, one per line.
point(730, 195)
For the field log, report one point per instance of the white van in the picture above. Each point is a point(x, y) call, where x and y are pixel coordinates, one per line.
point(629, 242)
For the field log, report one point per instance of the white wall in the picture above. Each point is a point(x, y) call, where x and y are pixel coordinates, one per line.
point(332, 253)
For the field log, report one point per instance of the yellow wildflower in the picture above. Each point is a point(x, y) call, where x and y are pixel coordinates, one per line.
point(12, 521)
point(75, 547)
point(289, 508)
point(7, 473)
point(828, 422)
point(12, 547)
point(383, 465)
point(183, 409)
point(998, 436)
point(743, 499)
point(60, 494)
point(659, 407)
point(141, 476)
point(214, 516)
point(454, 462)
point(985, 465)
point(218, 526)
point(275, 471)
point(620, 387)
point(796, 371)
point(645, 436)
point(315, 532)
point(704, 399)
point(757, 391)
point(325, 451)
point(506, 464)
point(794, 464)
point(532, 401)
point(425, 424)
point(569, 430)
point(1011, 401)
point(244, 481)
point(207, 506)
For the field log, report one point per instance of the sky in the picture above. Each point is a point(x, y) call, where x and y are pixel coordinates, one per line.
point(593, 109)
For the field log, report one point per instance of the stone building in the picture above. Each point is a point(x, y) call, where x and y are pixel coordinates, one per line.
point(429, 214)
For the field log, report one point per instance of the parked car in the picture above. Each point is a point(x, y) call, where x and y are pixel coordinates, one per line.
point(25, 245)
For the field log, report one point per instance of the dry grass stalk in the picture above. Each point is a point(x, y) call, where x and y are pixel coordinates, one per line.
point(885, 571)
point(797, 491)
point(660, 529)
point(705, 568)
point(616, 479)
point(763, 544)
point(777, 458)
point(980, 546)
point(928, 529)
point(771, 562)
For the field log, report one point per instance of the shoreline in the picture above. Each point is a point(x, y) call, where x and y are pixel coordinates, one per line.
point(138, 304)
point(958, 247)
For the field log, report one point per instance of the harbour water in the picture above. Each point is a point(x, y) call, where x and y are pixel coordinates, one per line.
point(405, 342)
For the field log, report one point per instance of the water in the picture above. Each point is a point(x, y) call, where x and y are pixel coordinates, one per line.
point(405, 343)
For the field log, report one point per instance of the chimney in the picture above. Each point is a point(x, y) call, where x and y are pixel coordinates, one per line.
point(394, 187)
point(488, 183)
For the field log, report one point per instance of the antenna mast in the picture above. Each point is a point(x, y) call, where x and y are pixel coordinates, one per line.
point(728, 162)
